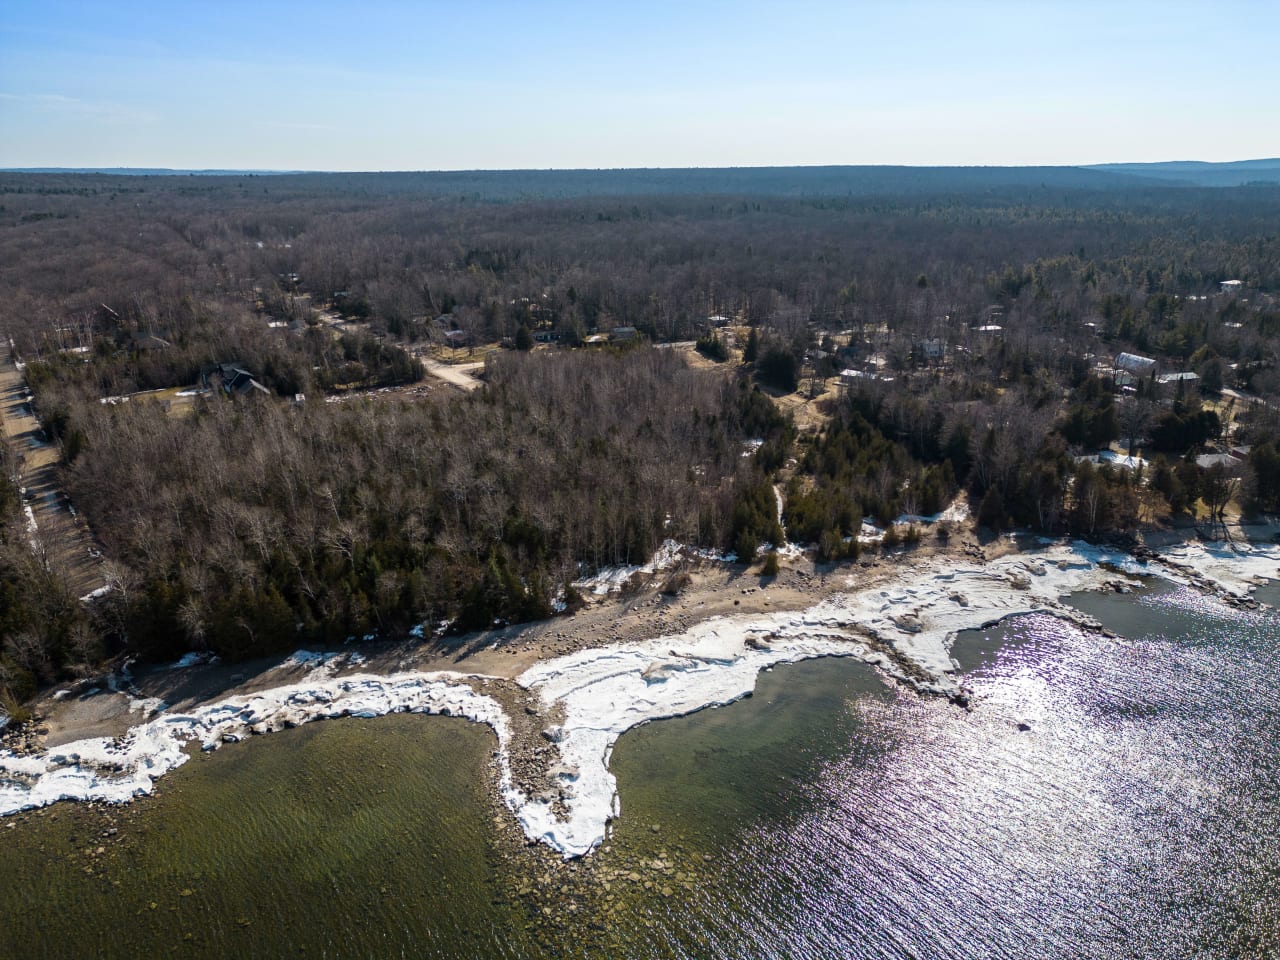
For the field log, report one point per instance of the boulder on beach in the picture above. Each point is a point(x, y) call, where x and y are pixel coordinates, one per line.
point(908, 622)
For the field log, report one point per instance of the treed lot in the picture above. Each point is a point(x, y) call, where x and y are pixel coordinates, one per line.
point(260, 522)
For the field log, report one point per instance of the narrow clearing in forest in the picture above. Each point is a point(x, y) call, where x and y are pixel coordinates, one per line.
point(61, 538)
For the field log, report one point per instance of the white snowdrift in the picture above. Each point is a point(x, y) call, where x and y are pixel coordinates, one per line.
point(609, 690)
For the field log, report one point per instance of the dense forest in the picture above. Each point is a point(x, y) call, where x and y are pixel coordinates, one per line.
point(331, 492)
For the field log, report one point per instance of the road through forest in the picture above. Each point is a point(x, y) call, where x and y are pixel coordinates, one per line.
point(60, 537)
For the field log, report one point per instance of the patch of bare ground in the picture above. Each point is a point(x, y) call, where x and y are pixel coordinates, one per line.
point(810, 407)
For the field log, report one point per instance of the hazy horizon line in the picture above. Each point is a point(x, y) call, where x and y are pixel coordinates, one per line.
point(746, 166)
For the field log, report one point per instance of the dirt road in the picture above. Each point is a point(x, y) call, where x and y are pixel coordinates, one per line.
point(59, 535)
point(459, 374)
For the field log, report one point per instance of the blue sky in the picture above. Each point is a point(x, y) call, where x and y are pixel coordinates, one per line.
point(398, 85)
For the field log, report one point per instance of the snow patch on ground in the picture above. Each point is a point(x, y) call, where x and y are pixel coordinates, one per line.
point(1111, 458)
point(958, 512)
point(787, 550)
point(612, 579)
point(192, 660)
point(869, 532)
point(33, 531)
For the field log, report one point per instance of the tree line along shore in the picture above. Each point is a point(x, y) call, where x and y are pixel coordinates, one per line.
point(231, 372)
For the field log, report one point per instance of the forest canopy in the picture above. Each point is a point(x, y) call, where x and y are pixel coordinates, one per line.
point(320, 488)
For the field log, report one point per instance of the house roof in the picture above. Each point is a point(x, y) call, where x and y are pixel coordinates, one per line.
point(1134, 363)
point(1213, 459)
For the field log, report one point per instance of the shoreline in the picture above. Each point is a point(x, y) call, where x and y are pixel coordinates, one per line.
point(560, 693)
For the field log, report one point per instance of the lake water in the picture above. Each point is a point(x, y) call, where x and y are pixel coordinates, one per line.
point(1102, 798)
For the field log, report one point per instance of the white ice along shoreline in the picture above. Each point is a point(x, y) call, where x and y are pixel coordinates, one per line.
point(607, 691)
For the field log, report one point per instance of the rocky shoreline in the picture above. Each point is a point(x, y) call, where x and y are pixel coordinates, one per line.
point(893, 612)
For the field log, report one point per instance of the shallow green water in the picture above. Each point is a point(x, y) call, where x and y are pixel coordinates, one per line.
point(346, 839)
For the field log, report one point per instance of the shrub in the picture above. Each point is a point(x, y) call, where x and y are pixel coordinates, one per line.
point(991, 513)
point(778, 368)
point(573, 599)
point(770, 568)
point(712, 347)
point(18, 714)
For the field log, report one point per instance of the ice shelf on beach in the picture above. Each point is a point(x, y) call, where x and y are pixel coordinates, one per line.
point(607, 691)
point(1234, 567)
point(610, 690)
point(117, 770)
point(904, 626)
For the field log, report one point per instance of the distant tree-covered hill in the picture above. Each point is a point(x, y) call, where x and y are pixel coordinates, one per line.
point(1200, 174)
point(817, 181)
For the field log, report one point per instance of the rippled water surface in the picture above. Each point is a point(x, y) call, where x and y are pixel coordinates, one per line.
point(1102, 798)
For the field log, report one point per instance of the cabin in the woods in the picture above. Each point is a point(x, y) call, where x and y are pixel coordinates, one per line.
point(232, 379)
